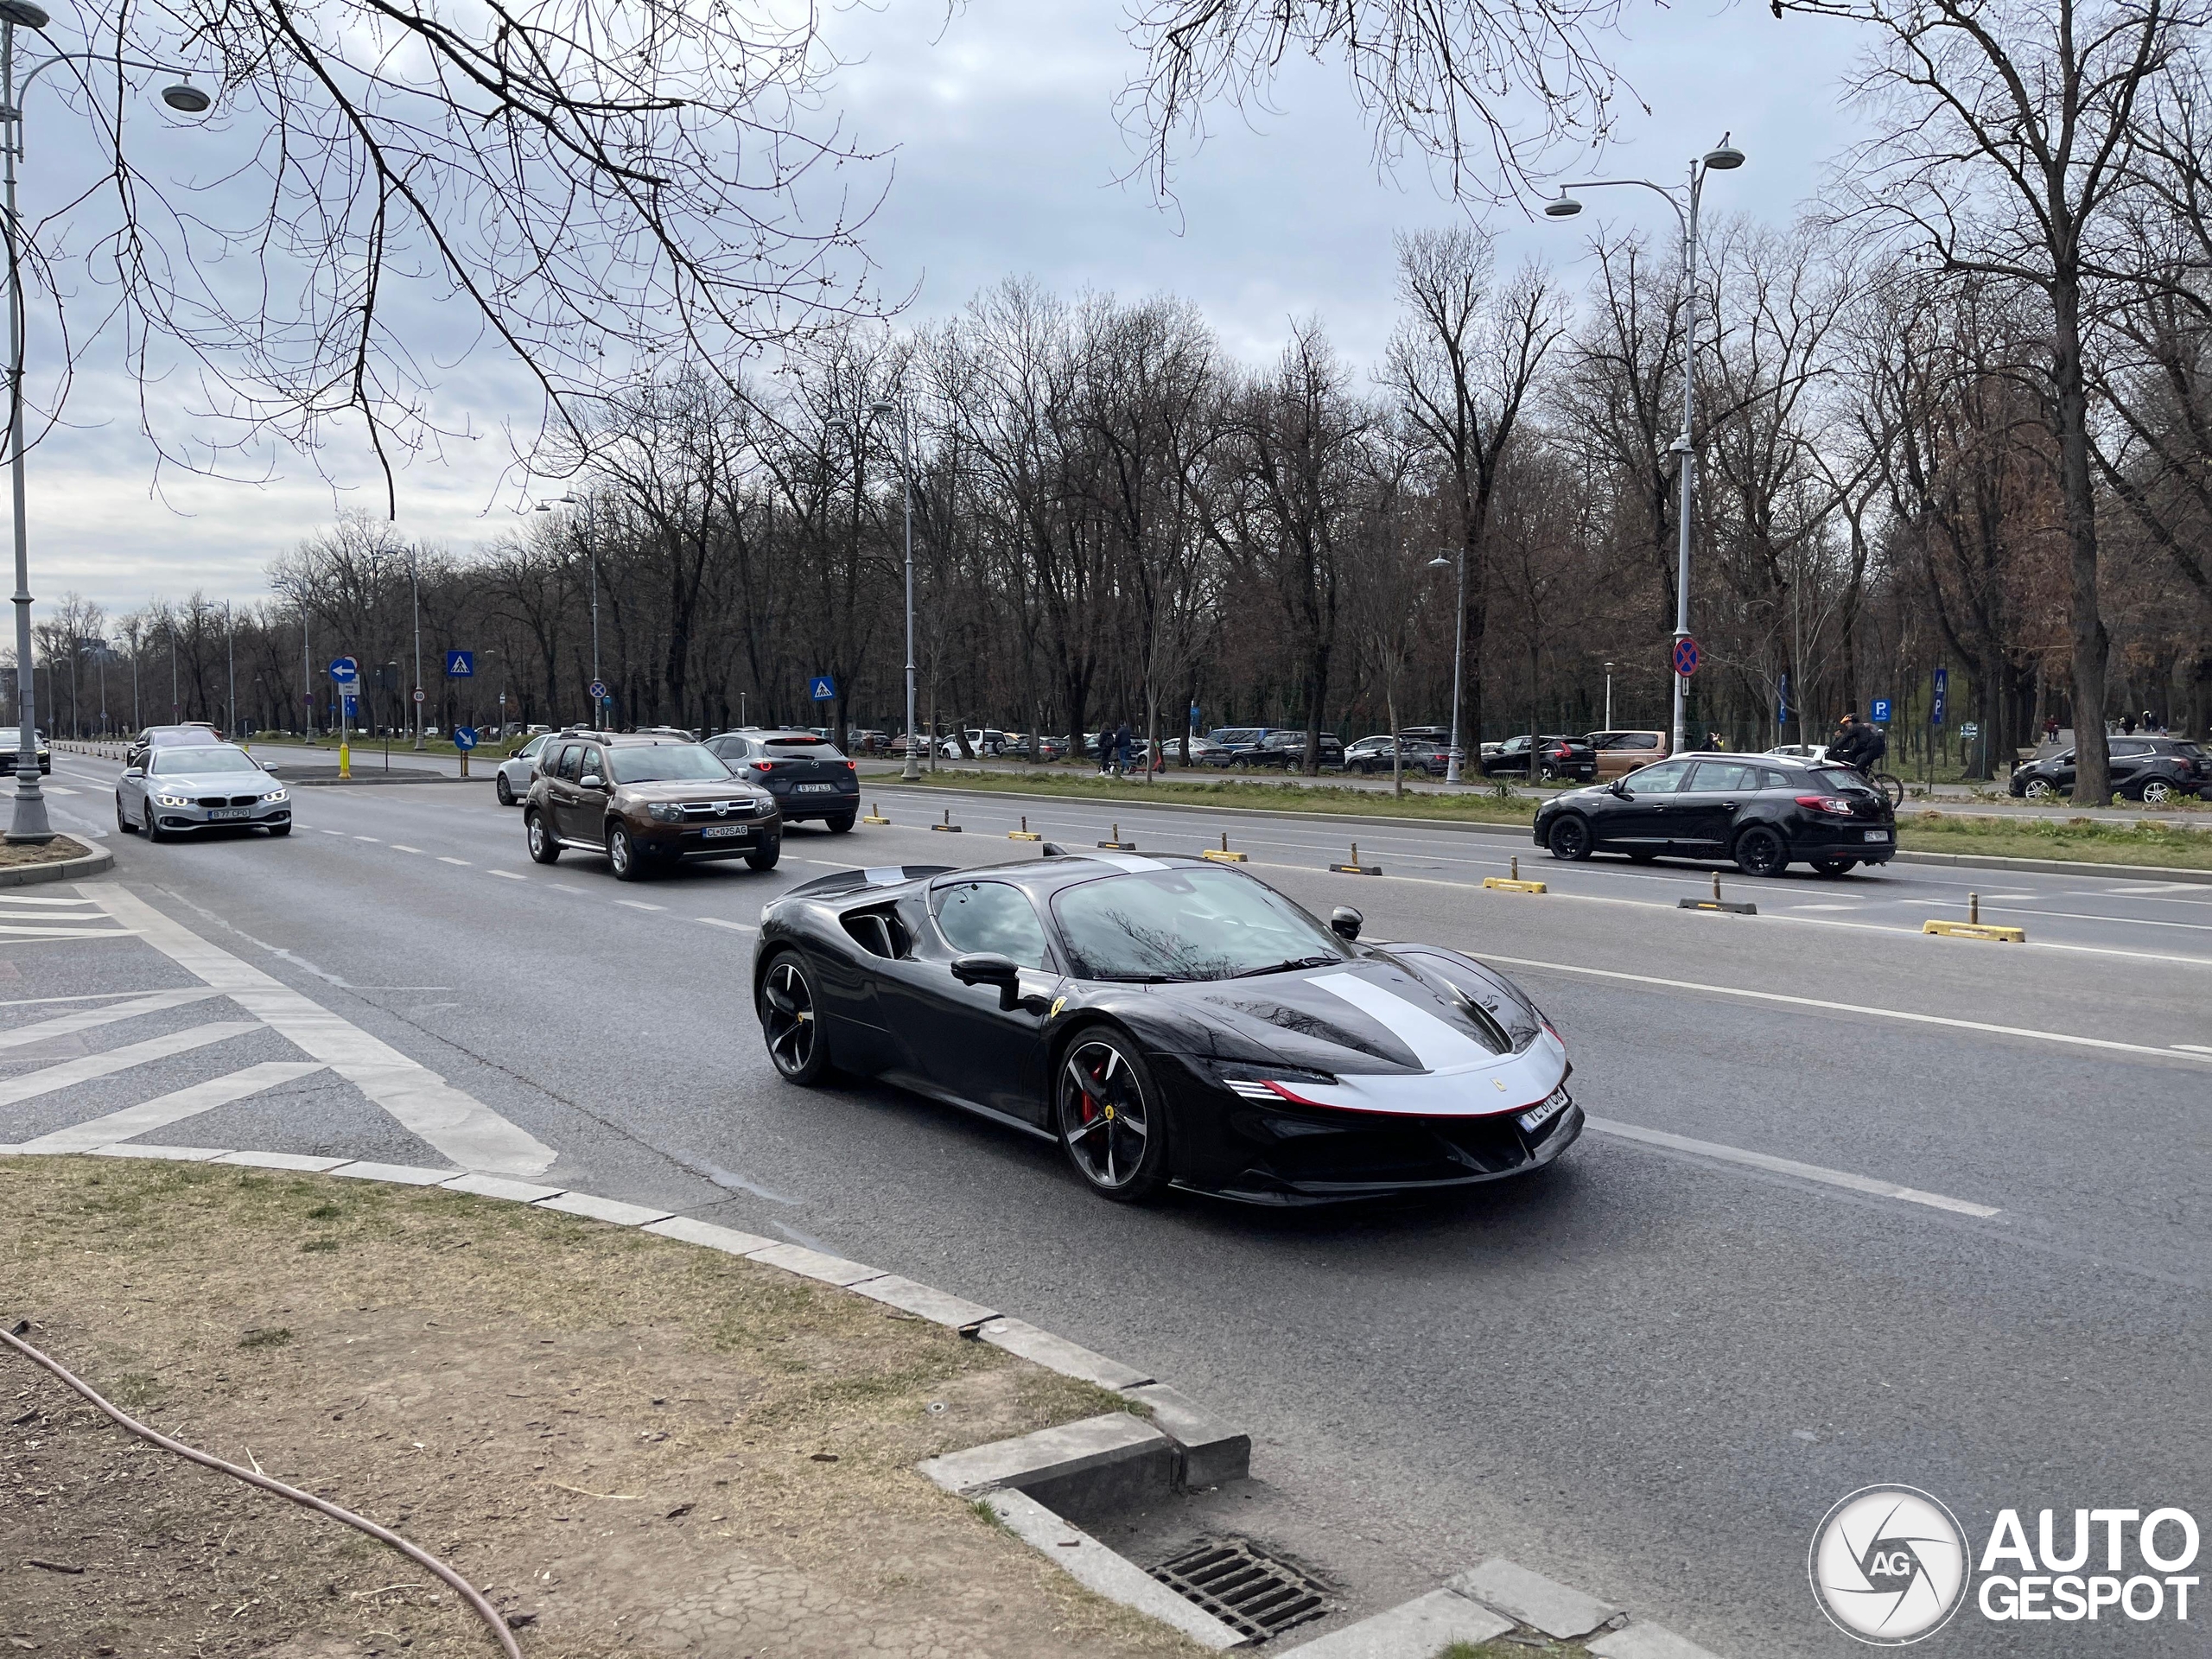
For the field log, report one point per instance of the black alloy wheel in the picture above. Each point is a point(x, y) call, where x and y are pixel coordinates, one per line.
point(840, 823)
point(1108, 1124)
point(543, 847)
point(154, 826)
point(787, 1022)
point(122, 824)
point(280, 829)
point(1760, 851)
point(1834, 866)
point(622, 853)
point(1569, 838)
point(2040, 789)
point(499, 788)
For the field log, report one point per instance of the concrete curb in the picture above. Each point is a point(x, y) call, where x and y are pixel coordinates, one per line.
point(1521, 832)
point(1089, 1458)
point(96, 862)
point(1487, 1601)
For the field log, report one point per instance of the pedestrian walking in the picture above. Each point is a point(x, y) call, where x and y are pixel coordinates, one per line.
point(1124, 741)
point(2050, 729)
point(2127, 724)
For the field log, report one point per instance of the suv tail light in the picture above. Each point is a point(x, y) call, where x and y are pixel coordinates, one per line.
point(764, 766)
point(1833, 803)
point(1561, 753)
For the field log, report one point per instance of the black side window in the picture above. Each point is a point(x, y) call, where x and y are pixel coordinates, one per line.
point(569, 768)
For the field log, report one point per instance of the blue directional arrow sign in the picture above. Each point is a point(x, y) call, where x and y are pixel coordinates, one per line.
point(464, 738)
point(822, 689)
point(460, 665)
point(345, 671)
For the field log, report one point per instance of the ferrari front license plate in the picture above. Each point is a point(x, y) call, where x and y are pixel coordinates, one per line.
point(813, 788)
point(221, 813)
point(723, 831)
point(1877, 834)
point(1536, 1116)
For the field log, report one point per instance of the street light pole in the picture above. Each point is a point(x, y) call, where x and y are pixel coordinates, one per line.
point(1609, 696)
point(414, 593)
point(913, 769)
point(1722, 158)
point(1458, 661)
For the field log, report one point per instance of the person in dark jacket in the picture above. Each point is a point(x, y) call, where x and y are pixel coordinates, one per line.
point(1124, 744)
point(1848, 742)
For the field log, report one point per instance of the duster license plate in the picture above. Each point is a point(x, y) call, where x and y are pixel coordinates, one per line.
point(724, 831)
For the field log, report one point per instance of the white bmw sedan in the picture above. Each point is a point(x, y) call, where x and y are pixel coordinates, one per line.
point(175, 791)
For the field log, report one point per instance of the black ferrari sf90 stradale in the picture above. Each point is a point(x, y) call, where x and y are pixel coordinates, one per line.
point(1168, 1022)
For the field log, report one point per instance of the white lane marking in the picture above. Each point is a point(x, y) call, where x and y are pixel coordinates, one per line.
point(559, 888)
point(735, 927)
point(89, 996)
point(1434, 1044)
point(371, 840)
point(333, 832)
point(508, 874)
point(63, 1025)
point(463, 863)
point(639, 904)
point(1791, 1166)
point(165, 1109)
point(1836, 1008)
point(2193, 1048)
point(459, 1125)
point(27, 899)
point(396, 848)
point(68, 1073)
point(2077, 916)
point(1827, 906)
point(2147, 887)
point(66, 932)
point(56, 789)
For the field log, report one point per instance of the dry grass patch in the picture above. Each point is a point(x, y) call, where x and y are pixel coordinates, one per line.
point(60, 850)
point(629, 1444)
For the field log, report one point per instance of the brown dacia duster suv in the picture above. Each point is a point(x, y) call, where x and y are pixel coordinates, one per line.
point(645, 802)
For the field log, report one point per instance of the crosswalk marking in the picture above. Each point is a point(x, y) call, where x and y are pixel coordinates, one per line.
point(32, 898)
point(165, 1109)
point(68, 1073)
point(466, 1130)
point(735, 927)
point(63, 1024)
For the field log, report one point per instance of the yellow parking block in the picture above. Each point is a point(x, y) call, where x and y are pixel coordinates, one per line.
point(1977, 931)
point(1502, 884)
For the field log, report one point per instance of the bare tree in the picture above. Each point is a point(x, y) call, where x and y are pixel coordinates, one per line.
point(2007, 133)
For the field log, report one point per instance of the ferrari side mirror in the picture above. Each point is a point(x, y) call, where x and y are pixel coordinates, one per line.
point(991, 971)
point(1345, 922)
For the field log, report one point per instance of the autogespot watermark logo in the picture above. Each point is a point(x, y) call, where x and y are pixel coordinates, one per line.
point(1889, 1565)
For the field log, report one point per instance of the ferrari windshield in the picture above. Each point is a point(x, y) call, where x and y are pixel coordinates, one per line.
point(1185, 924)
point(666, 763)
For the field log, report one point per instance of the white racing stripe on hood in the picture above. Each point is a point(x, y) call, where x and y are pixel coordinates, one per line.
point(1435, 1044)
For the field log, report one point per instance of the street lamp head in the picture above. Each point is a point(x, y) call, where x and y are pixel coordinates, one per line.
point(1724, 157)
point(23, 14)
point(1440, 563)
point(1562, 206)
point(546, 506)
point(184, 98)
point(876, 411)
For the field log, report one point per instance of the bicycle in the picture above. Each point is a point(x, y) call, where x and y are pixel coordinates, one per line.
point(1889, 783)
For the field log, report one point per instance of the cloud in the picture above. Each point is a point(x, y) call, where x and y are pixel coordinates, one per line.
point(1009, 160)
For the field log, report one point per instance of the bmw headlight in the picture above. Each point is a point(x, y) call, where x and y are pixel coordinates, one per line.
point(665, 811)
point(275, 795)
point(173, 800)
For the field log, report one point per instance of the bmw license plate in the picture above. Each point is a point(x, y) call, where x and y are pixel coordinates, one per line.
point(1877, 834)
point(724, 831)
point(223, 812)
point(1536, 1116)
point(813, 788)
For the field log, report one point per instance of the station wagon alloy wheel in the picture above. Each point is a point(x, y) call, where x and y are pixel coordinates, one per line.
point(1105, 1121)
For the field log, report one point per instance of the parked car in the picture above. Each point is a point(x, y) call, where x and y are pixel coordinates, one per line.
point(807, 776)
point(511, 777)
point(13, 737)
point(175, 789)
point(1621, 752)
point(1230, 742)
point(984, 740)
point(1765, 812)
point(1544, 757)
point(2152, 770)
point(1285, 748)
point(1034, 745)
point(1372, 754)
point(647, 801)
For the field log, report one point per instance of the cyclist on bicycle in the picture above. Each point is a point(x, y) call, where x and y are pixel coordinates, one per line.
point(1848, 743)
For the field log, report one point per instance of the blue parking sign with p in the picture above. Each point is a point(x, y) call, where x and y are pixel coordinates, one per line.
point(822, 689)
point(1879, 711)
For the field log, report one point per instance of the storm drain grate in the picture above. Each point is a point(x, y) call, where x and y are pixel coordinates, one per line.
point(1244, 1586)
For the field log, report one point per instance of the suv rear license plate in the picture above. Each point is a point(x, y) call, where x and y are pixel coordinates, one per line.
point(1877, 834)
point(813, 788)
point(1536, 1116)
point(724, 831)
point(220, 813)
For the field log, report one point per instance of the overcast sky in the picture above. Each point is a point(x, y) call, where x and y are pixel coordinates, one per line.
point(1007, 152)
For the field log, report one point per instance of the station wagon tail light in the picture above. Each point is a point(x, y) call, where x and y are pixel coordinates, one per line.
point(1826, 804)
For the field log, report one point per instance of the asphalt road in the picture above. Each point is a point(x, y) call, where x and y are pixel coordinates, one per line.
point(1648, 1372)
